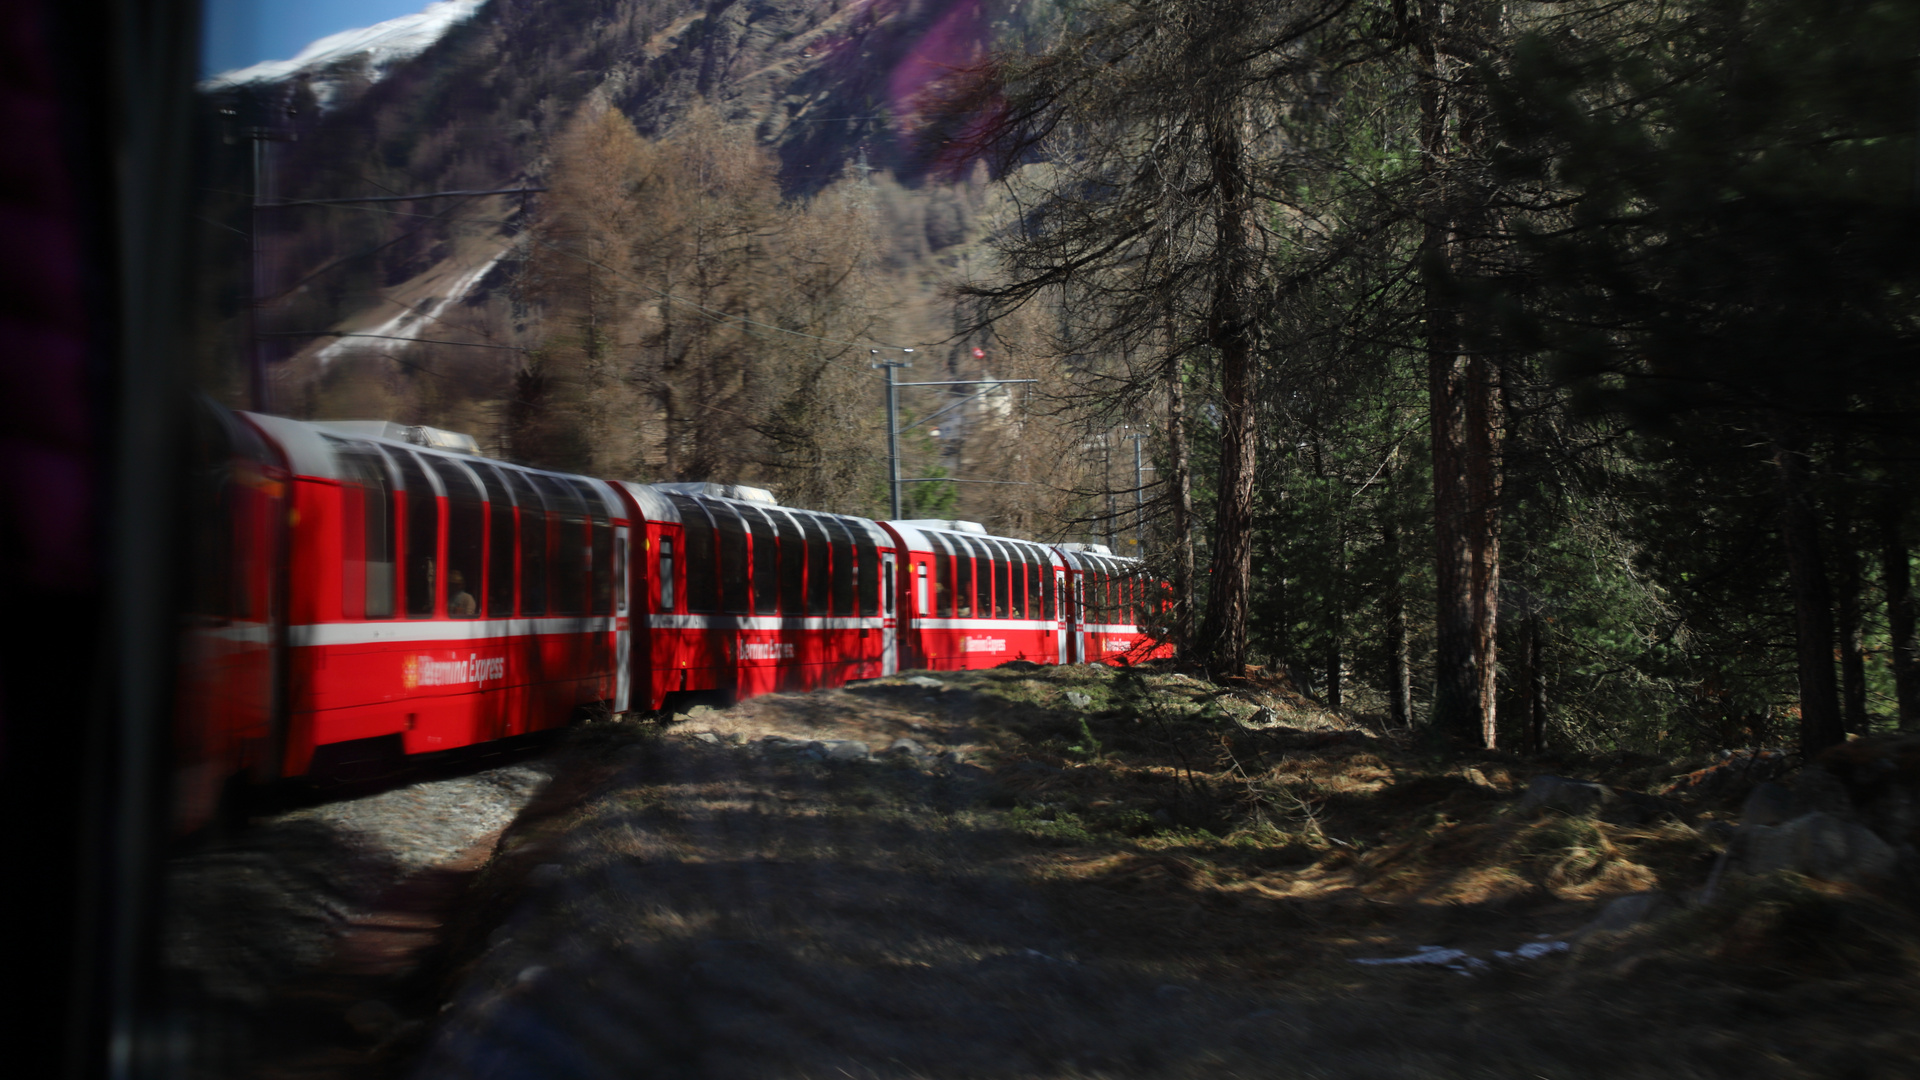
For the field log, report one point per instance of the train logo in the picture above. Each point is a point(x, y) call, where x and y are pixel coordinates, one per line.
point(416, 671)
point(766, 650)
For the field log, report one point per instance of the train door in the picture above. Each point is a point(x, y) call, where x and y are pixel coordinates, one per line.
point(1076, 619)
point(889, 616)
point(1059, 613)
point(622, 624)
point(921, 610)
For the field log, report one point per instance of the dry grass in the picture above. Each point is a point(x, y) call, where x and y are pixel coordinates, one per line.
point(1171, 880)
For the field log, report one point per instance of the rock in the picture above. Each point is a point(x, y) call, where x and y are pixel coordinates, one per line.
point(1629, 911)
point(1876, 780)
point(1479, 779)
point(734, 738)
point(698, 712)
point(1818, 845)
point(707, 737)
point(843, 750)
point(1567, 796)
point(1767, 804)
point(906, 747)
point(925, 682)
point(1079, 700)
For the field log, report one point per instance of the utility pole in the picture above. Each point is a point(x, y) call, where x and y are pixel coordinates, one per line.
point(1139, 495)
point(893, 425)
point(259, 399)
point(893, 422)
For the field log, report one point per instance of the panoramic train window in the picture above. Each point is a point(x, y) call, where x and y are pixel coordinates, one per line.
point(766, 562)
point(1030, 564)
point(599, 549)
point(664, 600)
point(422, 539)
point(567, 575)
point(368, 578)
point(734, 567)
point(533, 544)
point(942, 580)
point(963, 593)
point(982, 578)
point(500, 559)
point(1048, 598)
point(869, 567)
point(842, 573)
point(1027, 587)
point(1002, 582)
point(466, 538)
point(703, 585)
point(819, 581)
point(793, 563)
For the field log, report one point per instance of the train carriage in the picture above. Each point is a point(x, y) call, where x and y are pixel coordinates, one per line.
point(438, 599)
point(745, 596)
point(973, 601)
point(231, 636)
point(1117, 610)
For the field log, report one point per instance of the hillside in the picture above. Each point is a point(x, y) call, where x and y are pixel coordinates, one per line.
point(829, 87)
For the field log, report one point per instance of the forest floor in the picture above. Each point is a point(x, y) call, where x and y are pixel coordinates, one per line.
point(1083, 872)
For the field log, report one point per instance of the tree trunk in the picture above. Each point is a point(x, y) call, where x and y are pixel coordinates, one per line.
point(1853, 666)
point(1223, 636)
point(1399, 659)
point(1820, 725)
point(1536, 686)
point(1464, 438)
point(1181, 491)
point(1336, 624)
point(1896, 578)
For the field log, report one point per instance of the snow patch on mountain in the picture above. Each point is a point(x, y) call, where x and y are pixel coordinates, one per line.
point(376, 47)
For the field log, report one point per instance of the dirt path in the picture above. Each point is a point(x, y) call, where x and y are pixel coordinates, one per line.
point(748, 895)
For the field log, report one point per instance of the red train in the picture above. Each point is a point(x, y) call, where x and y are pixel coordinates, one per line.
point(368, 587)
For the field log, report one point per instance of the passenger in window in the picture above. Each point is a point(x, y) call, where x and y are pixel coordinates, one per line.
point(460, 602)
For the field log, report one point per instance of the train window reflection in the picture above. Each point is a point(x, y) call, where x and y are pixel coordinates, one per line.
point(367, 578)
point(500, 561)
point(943, 583)
point(567, 574)
point(466, 538)
point(766, 562)
point(793, 564)
point(843, 567)
point(963, 592)
point(734, 565)
point(819, 580)
point(422, 539)
point(868, 568)
point(703, 587)
point(533, 546)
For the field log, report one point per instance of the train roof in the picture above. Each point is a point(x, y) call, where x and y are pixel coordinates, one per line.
point(313, 449)
point(663, 502)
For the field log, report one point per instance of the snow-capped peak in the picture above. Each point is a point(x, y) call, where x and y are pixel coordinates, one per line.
point(381, 45)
